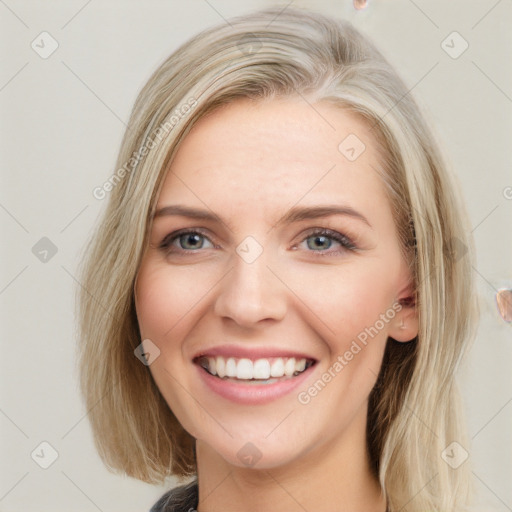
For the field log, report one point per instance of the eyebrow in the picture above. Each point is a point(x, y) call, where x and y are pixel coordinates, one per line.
point(298, 213)
point(295, 214)
point(187, 211)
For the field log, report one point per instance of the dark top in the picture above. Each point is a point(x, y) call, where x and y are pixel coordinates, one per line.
point(180, 499)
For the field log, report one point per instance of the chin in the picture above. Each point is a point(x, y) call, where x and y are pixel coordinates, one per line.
point(257, 455)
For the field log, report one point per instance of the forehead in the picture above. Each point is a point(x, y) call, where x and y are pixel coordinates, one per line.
point(274, 154)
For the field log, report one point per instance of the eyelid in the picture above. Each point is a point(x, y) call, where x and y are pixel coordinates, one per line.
point(344, 240)
point(170, 237)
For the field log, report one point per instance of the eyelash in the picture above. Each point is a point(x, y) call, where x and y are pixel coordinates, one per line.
point(343, 240)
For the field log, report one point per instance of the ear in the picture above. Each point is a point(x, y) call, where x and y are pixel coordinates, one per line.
point(405, 325)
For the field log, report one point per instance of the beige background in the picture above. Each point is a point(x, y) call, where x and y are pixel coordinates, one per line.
point(62, 119)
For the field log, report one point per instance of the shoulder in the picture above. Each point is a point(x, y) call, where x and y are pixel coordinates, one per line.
point(180, 499)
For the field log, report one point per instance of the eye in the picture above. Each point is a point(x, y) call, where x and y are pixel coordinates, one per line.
point(185, 241)
point(322, 240)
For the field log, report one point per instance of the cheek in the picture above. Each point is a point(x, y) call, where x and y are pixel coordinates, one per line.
point(346, 300)
point(166, 300)
point(165, 295)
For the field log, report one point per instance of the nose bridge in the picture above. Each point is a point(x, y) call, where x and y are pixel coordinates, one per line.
point(250, 292)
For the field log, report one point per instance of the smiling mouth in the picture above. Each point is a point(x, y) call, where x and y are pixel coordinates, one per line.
point(259, 371)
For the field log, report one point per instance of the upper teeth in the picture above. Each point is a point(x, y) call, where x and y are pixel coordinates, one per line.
point(259, 369)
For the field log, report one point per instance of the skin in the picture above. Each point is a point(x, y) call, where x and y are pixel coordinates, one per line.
point(249, 163)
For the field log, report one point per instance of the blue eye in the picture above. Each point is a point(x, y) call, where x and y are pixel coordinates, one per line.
point(184, 241)
point(321, 240)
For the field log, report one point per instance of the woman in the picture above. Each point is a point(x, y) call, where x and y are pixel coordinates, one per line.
point(280, 290)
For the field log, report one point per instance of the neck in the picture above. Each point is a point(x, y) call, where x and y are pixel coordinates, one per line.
point(334, 476)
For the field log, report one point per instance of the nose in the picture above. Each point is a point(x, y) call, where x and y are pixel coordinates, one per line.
point(251, 293)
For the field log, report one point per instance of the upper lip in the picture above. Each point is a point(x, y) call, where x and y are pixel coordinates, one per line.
point(253, 353)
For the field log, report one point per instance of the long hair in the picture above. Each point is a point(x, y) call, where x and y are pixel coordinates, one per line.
point(414, 411)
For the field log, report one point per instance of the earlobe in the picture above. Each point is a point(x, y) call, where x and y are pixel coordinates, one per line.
point(405, 325)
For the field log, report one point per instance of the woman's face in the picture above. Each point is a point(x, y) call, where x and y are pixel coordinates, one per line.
point(274, 259)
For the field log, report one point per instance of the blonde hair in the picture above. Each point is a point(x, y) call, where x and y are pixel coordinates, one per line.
point(414, 410)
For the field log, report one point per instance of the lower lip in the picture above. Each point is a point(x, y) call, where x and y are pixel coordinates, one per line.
point(252, 393)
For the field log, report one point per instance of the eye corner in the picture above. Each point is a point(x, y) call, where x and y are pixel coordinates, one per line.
point(346, 244)
point(168, 240)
